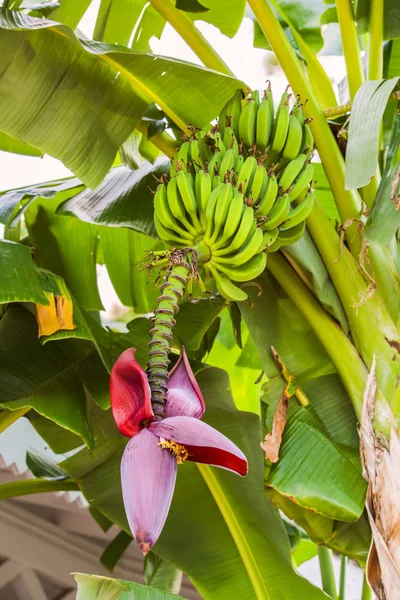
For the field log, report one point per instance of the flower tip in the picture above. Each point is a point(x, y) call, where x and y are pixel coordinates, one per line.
point(145, 547)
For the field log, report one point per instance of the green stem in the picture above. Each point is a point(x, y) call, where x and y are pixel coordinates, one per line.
point(35, 486)
point(343, 109)
point(163, 141)
point(370, 323)
point(8, 417)
point(341, 351)
point(172, 292)
point(366, 590)
point(327, 573)
point(351, 48)
point(375, 52)
point(342, 584)
point(183, 25)
point(348, 201)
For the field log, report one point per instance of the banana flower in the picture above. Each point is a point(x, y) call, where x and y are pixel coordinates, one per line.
point(149, 463)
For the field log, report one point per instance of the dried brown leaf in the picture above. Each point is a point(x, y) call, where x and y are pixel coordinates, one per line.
point(273, 440)
point(381, 460)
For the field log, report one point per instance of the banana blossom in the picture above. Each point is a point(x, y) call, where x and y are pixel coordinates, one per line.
point(149, 463)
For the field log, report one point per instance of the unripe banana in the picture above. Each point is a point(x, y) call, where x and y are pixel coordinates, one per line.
point(230, 114)
point(177, 207)
point(226, 288)
point(227, 163)
point(308, 139)
point(259, 184)
point(300, 212)
point(206, 153)
point(249, 249)
point(232, 222)
point(239, 162)
point(269, 238)
point(210, 210)
point(269, 197)
point(265, 121)
point(219, 144)
point(247, 123)
point(186, 189)
point(169, 237)
point(222, 206)
point(214, 164)
point(245, 175)
point(302, 182)
point(278, 213)
point(203, 188)
point(195, 155)
point(248, 271)
point(184, 156)
point(281, 129)
point(294, 139)
point(287, 237)
point(164, 214)
point(245, 229)
point(291, 171)
point(297, 111)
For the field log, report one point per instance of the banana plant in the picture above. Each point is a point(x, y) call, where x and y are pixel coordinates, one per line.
point(255, 240)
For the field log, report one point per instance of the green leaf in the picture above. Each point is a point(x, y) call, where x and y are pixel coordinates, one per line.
point(16, 259)
point(227, 15)
point(124, 199)
point(191, 6)
point(365, 124)
point(304, 551)
point(315, 472)
point(116, 20)
point(115, 550)
point(394, 61)
point(323, 192)
point(124, 253)
point(249, 546)
point(384, 217)
point(61, 243)
point(194, 319)
point(9, 144)
point(58, 439)
point(34, 375)
point(102, 106)
point(94, 587)
point(41, 466)
point(305, 254)
point(391, 27)
point(70, 12)
point(161, 574)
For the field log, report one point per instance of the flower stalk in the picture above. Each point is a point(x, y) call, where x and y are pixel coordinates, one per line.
point(173, 290)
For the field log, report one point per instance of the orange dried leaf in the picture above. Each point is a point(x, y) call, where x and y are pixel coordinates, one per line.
point(273, 440)
point(57, 315)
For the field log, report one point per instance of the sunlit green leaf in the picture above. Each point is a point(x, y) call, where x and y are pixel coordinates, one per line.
point(94, 587)
point(161, 574)
point(19, 277)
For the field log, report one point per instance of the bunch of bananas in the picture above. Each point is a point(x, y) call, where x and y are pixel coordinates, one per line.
point(240, 190)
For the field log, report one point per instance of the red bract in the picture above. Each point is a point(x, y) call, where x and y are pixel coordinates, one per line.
point(149, 462)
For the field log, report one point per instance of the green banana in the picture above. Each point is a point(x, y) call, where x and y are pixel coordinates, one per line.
point(177, 207)
point(219, 143)
point(294, 139)
point(269, 238)
point(226, 288)
point(300, 212)
point(245, 175)
point(269, 197)
point(222, 206)
point(169, 237)
point(247, 123)
point(164, 214)
point(230, 114)
point(195, 155)
point(203, 188)
point(248, 271)
point(214, 164)
point(265, 120)
point(210, 210)
point(287, 237)
point(184, 155)
point(186, 189)
point(281, 129)
point(279, 212)
point(227, 163)
point(249, 249)
point(308, 139)
point(239, 162)
point(302, 182)
point(291, 171)
point(230, 140)
point(233, 220)
point(245, 229)
point(204, 148)
point(259, 184)
point(297, 111)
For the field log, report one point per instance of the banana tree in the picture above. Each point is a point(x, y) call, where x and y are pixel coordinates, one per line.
point(256, 244)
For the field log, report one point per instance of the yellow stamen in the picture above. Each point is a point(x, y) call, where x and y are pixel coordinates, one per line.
point(180, 453)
